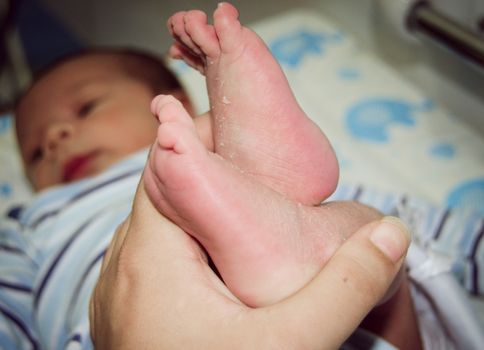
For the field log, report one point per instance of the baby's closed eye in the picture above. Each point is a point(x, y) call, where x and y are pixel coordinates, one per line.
point(86, 108)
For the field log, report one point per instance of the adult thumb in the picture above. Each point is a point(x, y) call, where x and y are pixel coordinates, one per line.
point(326, 311)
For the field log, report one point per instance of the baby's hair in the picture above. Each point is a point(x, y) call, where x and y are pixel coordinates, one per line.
point(141, 65)
point(150, 69)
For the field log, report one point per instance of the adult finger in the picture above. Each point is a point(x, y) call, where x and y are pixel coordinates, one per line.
point(325, 312)
point(153, 274)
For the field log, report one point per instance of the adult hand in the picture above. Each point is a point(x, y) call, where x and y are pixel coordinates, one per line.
point(156, 291)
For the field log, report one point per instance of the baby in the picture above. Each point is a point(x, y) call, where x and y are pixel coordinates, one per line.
point(88, 111)
point(271, 165)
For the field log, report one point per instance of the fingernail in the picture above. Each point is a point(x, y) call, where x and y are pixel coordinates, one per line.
point(391, 237)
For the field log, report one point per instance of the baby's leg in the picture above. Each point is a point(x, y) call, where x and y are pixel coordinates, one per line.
point(257, 123)
point(264, 245)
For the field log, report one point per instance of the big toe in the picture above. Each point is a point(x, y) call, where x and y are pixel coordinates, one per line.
point(227, 26)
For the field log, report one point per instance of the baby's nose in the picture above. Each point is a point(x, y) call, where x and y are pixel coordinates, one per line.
point(56, 135)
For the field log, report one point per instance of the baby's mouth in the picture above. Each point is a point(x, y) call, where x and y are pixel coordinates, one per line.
point(78, 167)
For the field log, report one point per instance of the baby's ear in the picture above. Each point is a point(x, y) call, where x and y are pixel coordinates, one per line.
point(182, 96)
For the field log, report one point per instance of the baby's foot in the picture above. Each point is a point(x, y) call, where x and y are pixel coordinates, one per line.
point(264, 245)
point(257, 123)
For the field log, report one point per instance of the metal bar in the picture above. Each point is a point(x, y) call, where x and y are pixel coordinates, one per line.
point(423, 19)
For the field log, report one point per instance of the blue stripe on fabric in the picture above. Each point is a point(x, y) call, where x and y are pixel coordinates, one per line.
point(21, 326)
point(471, 226)
point(75, 338)
point(52, 267)
point(11, 249)
point(82, 194)
point(389, 204)
point(475, 265)
point(357, 193)
point(441, 224)
point(17, 287)
point(91, 265)
point(15, 212)
point(53, 198)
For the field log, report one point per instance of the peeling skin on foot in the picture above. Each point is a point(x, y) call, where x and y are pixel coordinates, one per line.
point(220, 132)
point(225, 100)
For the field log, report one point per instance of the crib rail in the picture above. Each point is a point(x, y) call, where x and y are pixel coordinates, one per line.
point(425, 20)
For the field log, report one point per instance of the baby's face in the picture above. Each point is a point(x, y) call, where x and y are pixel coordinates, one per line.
point(80, 119)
